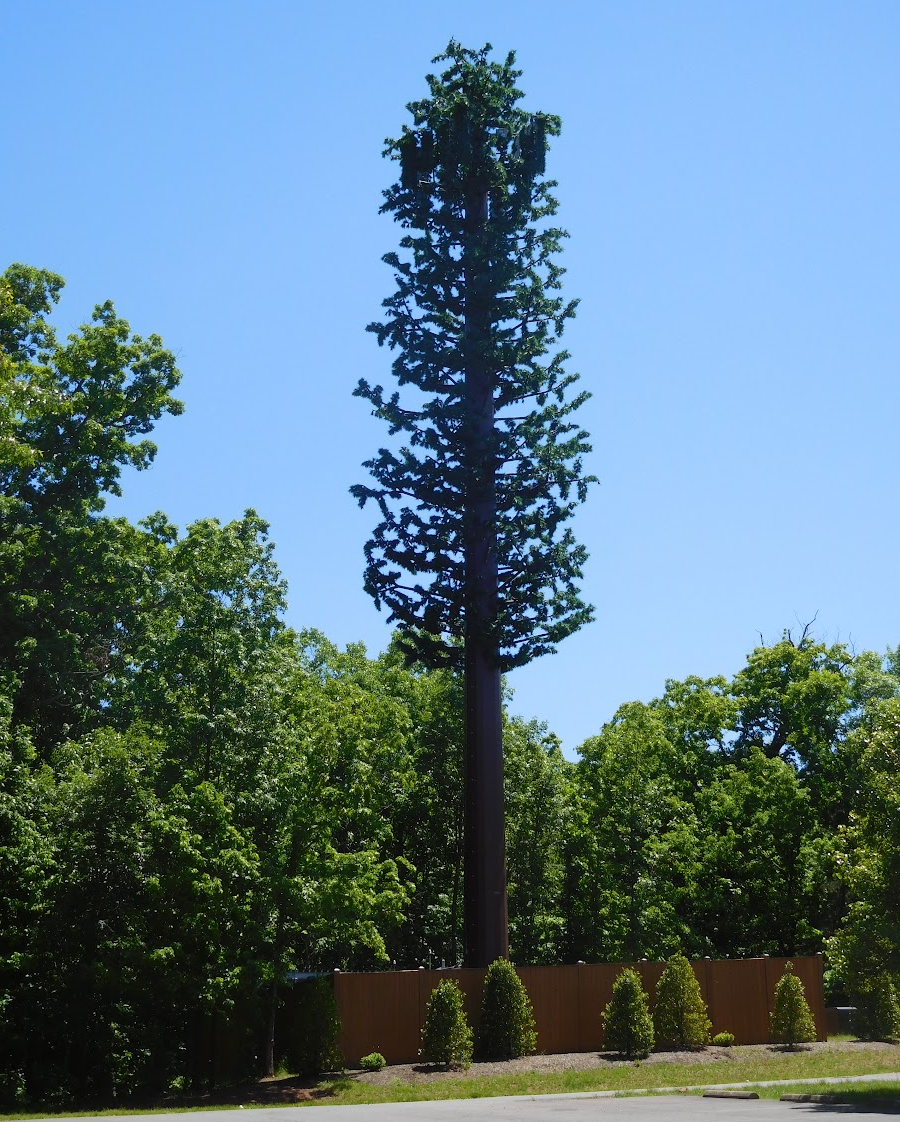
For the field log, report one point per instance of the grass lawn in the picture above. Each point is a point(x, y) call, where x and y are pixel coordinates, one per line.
point(859, 1094)
point(797, 1065)
point(622, 1078)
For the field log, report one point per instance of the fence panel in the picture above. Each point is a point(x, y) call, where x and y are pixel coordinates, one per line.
point(741, 1000)
point(471, 982)
point(385, 1011)
point(597, 986)
point(379, 1013)
point(595, 982)
point(554, 997)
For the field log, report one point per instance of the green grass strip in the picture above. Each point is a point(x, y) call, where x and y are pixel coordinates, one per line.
point(860, 1093)
point(744, 1067)
point(633, 1077)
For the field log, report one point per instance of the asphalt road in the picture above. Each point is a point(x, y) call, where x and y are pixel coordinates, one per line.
point(543, 1108)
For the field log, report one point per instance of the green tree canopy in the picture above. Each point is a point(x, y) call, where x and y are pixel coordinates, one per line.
point(865, 951)
point(93, 397)
point(73, 414)
point(630, 854)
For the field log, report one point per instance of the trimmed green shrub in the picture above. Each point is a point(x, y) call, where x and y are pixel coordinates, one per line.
point(791, 1022)
point(446, 1036)
point(373, 1062)
point(877, 1015)
point(506, 1029)
point(627, 1024)
point(723, 1039)
point(680, 1018)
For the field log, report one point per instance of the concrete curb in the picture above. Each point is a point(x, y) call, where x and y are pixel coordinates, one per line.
point(843, 1100)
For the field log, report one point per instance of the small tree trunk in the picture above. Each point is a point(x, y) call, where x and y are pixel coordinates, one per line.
point(269, 1051)
point(458, 856)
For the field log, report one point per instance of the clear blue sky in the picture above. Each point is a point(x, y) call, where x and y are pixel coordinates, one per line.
point(730, 177)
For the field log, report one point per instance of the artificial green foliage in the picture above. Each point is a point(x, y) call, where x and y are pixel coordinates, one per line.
point(791, 1022)
point(472, 556)
point(373, 1062)
point(489, 469)
point(680, 1016)
point(626, 1020)
point(877, 1010)
point(723, 1039)
point(506, 1028)
point(446, 1035)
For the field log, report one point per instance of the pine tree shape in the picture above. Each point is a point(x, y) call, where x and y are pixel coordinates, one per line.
point(472, 554)
point(506, 1029)
point(791, 1022)
point(680, 1018)
point(627, 1024)
point(446, 1036)
point(475, 499)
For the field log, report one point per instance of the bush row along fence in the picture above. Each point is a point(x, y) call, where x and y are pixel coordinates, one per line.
point(384, 1012)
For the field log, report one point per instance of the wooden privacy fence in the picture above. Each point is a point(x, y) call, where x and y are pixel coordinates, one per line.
point(384, 1012)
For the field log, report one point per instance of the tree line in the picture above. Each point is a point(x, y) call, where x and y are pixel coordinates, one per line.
point(196, 799)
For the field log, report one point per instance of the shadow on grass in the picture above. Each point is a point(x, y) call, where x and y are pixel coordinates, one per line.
point(278, 1091)
point(873, 1098)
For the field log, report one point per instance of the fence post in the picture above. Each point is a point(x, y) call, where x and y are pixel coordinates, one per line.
point(710, 987)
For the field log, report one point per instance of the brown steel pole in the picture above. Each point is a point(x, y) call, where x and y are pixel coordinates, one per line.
point(486, 922)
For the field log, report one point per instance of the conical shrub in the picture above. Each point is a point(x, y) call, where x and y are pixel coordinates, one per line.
point(506, 1029)
point(791, 1022)
point(627, 1024)
point(446, 1036)
point(680, 1018)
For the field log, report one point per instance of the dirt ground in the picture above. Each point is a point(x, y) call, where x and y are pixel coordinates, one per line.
point(585, 1061)
point(293, 1089)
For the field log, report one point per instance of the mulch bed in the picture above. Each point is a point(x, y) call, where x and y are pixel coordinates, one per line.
point(293, 1089)
point(588, 1061)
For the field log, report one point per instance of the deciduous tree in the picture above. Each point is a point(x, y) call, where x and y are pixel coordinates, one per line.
point(865, 952)
point(631, 851)
point(73, 414)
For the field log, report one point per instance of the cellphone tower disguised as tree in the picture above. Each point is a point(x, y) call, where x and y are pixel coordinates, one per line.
point(472, 556)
